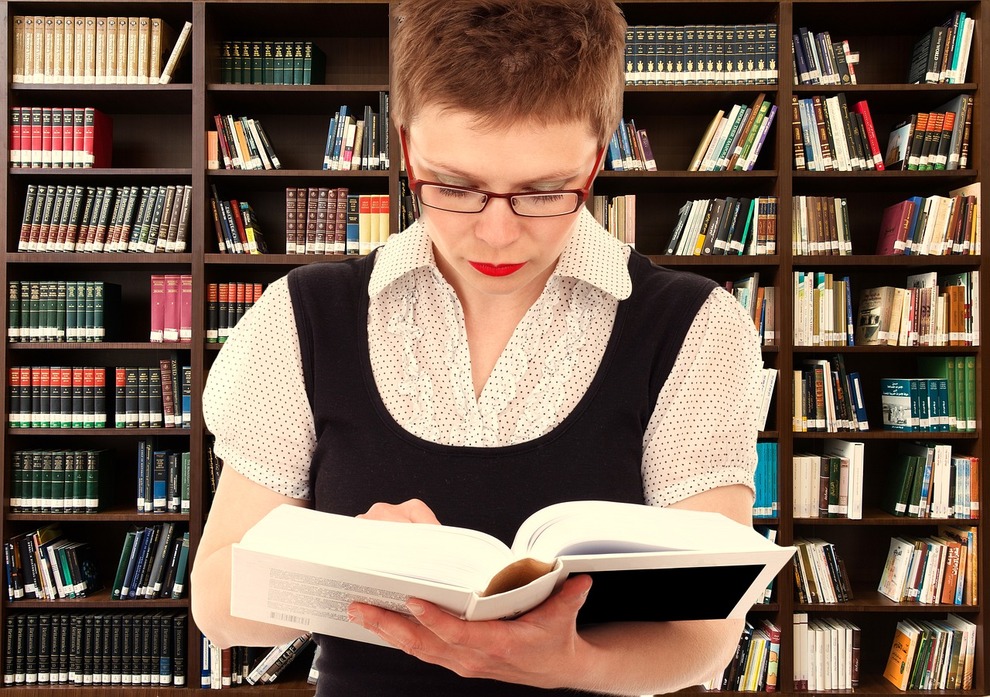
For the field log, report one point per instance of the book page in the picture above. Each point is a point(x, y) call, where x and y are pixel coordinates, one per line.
point(438, 553)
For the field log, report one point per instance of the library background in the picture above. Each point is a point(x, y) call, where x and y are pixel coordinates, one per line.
point(823, 160)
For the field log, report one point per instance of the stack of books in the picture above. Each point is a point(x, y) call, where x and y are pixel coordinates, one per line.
point(226, 303)
point(912, 663)
point(236, 225)
point(730, 226)
point(80, 218)
point(45, 565)
point(827, 398)
point(941, 55)
point(820, 226)
point(755, 664)
point(163, 479)
point(629, 149)
point(60, 137)
point(826, 653)
point(57, 397)
point(617, 214)
point(830, 135)
point(153, 397)
point(171, 307)
point(933, 140)
point(358, 143)
point(936, 570)
point(820, 61)
point(60, 481)
point(830, 485)
point(61, 311)
point(95, 50)
point(239, 143)
point(822, 309)
point(271, 62)
point(696, 54)
point(819, 573)
point(732, 142)
point(360, 221)
point(929, 481)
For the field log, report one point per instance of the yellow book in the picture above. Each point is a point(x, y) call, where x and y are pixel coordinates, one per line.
point(898, 670)
point(38, 56)
point(89, 52)
point(123, 32)
point(49, 66)
point(68, 49)
point(242, 144)
point(58, 51)
point(101, 51)
point(78, 50)
point(18, 50)
point(132, 50)
point(365, 243)
point(110, 49)
point(143, 49)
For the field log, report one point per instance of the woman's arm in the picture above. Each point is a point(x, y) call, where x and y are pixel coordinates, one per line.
point(239, 503)
point(544, 648)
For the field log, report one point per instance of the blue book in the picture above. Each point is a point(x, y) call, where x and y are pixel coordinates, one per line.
point(126, 588)
point(800, 60)
point(353, 245)
point(159, 487)
point(856, 391)
point(180, 570)
point(142, 560)
point(140, 477)
point(338, 139)
point(328, 147)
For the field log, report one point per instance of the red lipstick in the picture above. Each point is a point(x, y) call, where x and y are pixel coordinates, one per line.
point(496, 269)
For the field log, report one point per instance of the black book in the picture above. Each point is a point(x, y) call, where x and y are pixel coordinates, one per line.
point(116, 648)
point(80, 199)
point(20, 651)
point(165, 649)
point(64, 639)
point(76, 649)
point(106, 650)
point(154, 632)
point(144, 203)
point(10, 644)
point(179, 650)
point(144, 657)
point(55, 630)
point(44, 647)
point(95, 650)
point(127, 649)
point(131, 397)
point(31, 647)
point(171, 566)
point(156, 415)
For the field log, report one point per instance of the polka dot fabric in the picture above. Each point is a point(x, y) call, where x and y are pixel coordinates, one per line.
point(255, 400)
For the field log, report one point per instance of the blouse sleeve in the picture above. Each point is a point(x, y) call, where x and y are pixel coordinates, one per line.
point(255, 401)
point(702, 434)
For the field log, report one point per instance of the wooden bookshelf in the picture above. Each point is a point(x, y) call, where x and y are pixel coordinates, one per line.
point(158, 139)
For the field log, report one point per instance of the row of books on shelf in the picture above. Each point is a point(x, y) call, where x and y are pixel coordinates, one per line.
point(932, 311)
point(935, 140)
point(60, 137)
point(827, 653)
point(831, 135)
point(238, 665)
point(44, 565)
point(922, 404)
point(271, 62)
point(163, 479)
point(95, 648)
point(358, 143)
point(820, 574)
point(360, 221)
point(62, 311)
point(932, 654)
point(829, 485)
point(57, 397)
point(629, 149)
point(937, 569)
point(827, 397)
point(758, 301)
point(75, 397)
point(60, 481)
point(924, 480)
point(171, 307)
point(153, 563)
point(818, 60)
point(941, 55)
point(617, 214)
point(226, 303)
point(820, 226)
point(765, 504)
point(933, 224)
point(236, 225)
point(733, 140)
point(755, 664)
point(694, 54)
point(77, 218)
point(239, 143)
point(95, 50)
point(734, 225)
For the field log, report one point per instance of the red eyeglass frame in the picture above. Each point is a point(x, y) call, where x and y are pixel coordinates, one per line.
point(415, 185)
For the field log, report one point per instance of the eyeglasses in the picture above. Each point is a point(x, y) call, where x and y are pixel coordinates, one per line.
point(463, 199)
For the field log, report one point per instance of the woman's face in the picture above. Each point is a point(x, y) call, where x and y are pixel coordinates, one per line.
point(496, 252)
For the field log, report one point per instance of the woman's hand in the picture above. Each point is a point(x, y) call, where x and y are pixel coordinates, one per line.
point(540, 648)
point(411, 511)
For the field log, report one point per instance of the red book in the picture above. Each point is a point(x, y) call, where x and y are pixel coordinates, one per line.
point(340, 221)
point(383, 207)
point(185, 307)
point(37, 139)
point(44, 382)
point(290, 220)
point(235, 212)
point(375, 211)
point(97, 138)
point(366, 243)
point(119, 398)
point(256, 293)
point(863, 109)
point(99, 397)
point(15, 136)
point(894, 226)
point(171, 324)
point(78, 382)
point(57, 137)
point(14, 387)
point(65, 390)
point(78, 136)
point(46, 136)
point(157, 308)
point(89, 393)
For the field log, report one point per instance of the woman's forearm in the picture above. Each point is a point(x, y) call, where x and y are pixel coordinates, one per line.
point(656, 658)
point(210, 583)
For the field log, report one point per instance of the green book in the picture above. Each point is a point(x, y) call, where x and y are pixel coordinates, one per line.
point(60, 310)
point(969, 373)
point(125, 555)
point(942, 367)
point(71, 310)
point(13, 310)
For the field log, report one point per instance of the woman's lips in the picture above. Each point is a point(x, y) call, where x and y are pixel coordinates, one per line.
point(496, 269)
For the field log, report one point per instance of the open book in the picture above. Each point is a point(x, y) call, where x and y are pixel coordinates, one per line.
point(301, 568)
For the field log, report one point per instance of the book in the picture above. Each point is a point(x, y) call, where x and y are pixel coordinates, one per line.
point(177, 50)
point(721, 567)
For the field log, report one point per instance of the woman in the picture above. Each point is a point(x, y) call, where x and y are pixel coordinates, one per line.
point(502, 354)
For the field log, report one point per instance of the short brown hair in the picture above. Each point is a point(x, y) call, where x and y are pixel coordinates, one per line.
point(553, 61)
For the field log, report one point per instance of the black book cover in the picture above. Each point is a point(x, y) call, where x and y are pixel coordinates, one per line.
point(97, 648)
point(10, 654)
point(31, 647)
point(179, 650)
point(44, 647)
point(64, 640)
point(88, 649)
point(116, 648)
point(165, 649)
point(131, 397)
point(20, 651)
point(76, 631)
point(145, 655)
point(155, 651)
point(127, 649)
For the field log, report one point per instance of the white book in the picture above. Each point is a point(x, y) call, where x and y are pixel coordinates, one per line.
point(466, 572)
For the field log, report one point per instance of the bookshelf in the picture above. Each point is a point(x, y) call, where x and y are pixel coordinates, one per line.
point(158, 140)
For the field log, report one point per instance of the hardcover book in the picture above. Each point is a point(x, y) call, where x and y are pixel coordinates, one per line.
point(720, 568)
